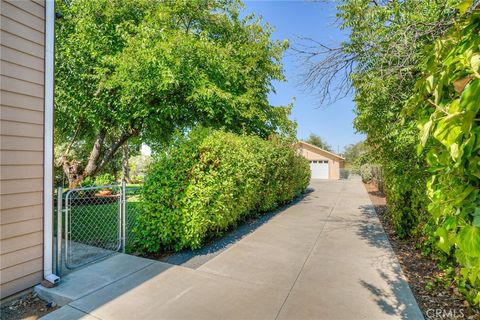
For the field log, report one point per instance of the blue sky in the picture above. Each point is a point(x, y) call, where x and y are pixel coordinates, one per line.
point(315, 20)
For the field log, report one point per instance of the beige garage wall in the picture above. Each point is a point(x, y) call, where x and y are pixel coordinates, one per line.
point(21, 144)
point(334, 167)
point(313, 153)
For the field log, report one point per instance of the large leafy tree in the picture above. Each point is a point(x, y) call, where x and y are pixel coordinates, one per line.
point(148, 69)
point(316, 140)
point(356, 154)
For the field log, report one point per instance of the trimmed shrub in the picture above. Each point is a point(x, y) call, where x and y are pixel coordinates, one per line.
point(208, 182)
point(366, 172)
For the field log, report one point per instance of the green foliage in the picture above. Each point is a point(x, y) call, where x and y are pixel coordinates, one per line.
point(209, 181)
point(366, 172)
point(447, 106)
point(373, 173)
point(138, 167)
point(316, 140)
point(105, 179)
point(100, 180)
point(386, 42)
point(141, 68)
point(88, 182)
point(415, 64)
point(356, 155)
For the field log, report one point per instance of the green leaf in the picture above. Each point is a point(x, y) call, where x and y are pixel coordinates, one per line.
point(476, 217)
point(464, 6)
point(429, 83)
point(474, 275)
point(469, 101)
point(426, 131)
point(454, 151)
point(477, 299)
point(460, 197)
point(443, 242)
point(469, 241)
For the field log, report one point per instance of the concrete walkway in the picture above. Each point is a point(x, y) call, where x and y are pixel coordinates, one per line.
point(325, 257)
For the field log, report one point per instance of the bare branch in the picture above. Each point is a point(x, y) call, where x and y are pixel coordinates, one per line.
point(327, 69)
point(389, 54)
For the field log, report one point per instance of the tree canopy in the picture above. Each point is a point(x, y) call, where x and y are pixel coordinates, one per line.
point(356, 154)
point(316, 140)
point(148, 69)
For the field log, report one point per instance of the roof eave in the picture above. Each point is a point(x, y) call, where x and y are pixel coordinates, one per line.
point(323, 150)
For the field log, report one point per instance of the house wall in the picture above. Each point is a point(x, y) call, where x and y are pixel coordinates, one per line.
point(334, 169)
point(22, 35)
point(334, 163)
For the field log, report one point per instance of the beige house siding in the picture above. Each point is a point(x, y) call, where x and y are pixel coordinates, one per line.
point(335, 162)
point(22, 34)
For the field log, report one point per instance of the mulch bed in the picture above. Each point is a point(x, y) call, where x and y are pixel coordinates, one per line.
point(25, 307)
point(437, 298)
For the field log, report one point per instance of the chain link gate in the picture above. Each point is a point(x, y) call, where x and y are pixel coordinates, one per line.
point(91, 225)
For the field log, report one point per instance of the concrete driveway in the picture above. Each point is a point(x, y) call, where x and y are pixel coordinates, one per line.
point(324, 257)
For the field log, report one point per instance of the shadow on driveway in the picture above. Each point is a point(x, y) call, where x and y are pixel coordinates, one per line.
point(398, 300)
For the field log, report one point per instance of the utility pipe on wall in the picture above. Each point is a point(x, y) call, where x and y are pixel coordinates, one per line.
point(48, 144)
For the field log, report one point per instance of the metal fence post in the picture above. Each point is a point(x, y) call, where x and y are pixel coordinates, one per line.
point(124, 214)
point(58, 265)
point(66, 228)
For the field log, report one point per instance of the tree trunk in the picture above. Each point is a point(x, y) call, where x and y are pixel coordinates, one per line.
point(125, 164)
point(72, 172)
point(96, 160)
point(92, 166)
point(74, 178)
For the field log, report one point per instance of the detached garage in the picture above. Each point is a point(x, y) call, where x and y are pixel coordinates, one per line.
point(323, 164)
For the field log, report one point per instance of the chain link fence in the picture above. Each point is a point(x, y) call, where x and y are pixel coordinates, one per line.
point(93, 223)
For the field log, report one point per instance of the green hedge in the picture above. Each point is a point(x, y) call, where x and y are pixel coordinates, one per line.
point(208, 182)
point(446, 105)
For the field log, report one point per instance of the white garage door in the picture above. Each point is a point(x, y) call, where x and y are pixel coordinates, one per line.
point(319, 169)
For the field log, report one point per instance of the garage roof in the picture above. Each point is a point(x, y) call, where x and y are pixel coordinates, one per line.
point(333, 155)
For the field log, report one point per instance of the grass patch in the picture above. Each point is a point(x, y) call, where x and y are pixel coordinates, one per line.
point(98, 224)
